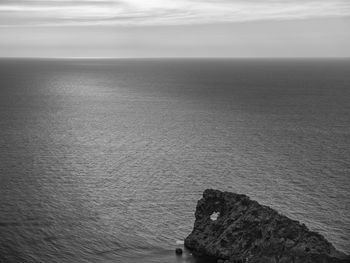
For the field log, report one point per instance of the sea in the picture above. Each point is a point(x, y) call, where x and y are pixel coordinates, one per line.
point(105, 160)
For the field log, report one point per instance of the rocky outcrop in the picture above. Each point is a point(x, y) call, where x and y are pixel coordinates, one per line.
point(231, 227)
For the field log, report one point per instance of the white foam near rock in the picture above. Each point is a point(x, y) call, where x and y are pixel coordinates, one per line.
point(179, 242)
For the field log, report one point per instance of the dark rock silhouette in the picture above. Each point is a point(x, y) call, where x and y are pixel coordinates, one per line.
point(178, 251)
point(232, 228)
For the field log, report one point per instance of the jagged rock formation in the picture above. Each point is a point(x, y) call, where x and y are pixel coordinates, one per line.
point(231, 227)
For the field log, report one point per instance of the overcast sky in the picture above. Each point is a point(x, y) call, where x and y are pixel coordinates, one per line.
point(175, 28)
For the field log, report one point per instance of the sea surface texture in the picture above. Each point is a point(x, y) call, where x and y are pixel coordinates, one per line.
point(104, 160)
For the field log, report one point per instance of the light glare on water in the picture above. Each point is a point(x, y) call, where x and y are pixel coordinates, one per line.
point(104, 161)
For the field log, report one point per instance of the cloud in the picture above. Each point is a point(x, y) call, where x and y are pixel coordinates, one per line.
point(162, 12)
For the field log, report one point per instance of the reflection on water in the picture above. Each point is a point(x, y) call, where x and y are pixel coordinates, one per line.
point(105, 161)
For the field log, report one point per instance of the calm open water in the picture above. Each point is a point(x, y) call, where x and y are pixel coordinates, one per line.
point(104, 161)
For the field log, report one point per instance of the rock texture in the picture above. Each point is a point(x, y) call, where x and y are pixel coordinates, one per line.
point(232, 228)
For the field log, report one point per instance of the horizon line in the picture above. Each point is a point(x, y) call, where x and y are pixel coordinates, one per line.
point(172, 57)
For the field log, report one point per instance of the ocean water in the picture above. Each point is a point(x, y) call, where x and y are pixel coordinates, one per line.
point(104, 160)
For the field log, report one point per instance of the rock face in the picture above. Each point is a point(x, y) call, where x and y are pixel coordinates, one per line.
point(231, 227)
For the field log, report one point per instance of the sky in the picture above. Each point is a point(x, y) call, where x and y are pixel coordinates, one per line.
point(174, 28)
